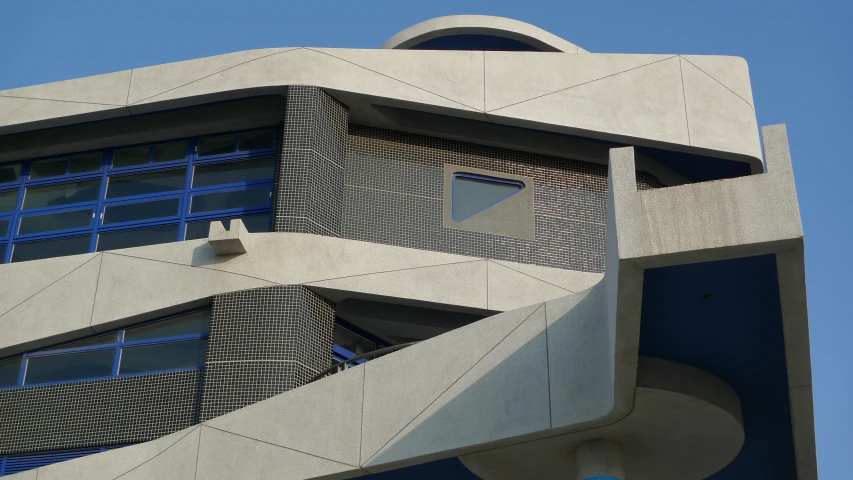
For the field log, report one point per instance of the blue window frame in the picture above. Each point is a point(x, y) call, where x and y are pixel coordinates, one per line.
point(135, 195)
point(177, 342)
point(351, 341)
point(21, 462)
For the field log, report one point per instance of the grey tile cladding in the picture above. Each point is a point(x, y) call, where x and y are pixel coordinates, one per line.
point(263, 342)
point(309, 178)
point(393, 195)
point(101, 412)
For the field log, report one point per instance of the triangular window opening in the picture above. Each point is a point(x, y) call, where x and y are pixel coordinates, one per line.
point(471, 194)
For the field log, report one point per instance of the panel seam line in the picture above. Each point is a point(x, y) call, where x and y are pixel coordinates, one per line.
point(583, 83)
point(280, 446)
point(46, 287)
point(456, 381)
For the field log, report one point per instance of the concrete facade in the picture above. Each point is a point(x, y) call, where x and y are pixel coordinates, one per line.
point(543, 327)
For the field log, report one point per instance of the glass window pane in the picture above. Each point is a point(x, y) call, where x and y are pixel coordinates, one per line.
point(10, 172)
point(56, 221)
point(49, 168)
point(216, 145)
point(104, 339)
point(9, 370)
point(189, 324)
point(4, 230)
point(146, 183)
point(131, 212)
point(85, 163)
point(138, 237)
point(70, 366)
point(253, 223)
point(233, 172)
point(65, 194)
point(164, 356)
point(60, 247)
point(130, 156)
point(472, 195)
point(170, 151)
point(210, 202)
point(257, 140)
point(353, 342)
point(8, 200)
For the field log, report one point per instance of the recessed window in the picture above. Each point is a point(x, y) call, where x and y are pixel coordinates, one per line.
point(163, 356)
point(69, 366)
point(104, 339)
point(133, 212)
point(248, 198)
point(10, 172)
point(174, 343)
point(137, 237)
point(66, 166)
point(10, 369)
point(56, 221)
point(148, 195)
point(59, 247)
point(8, 200)
point(233, 172)
point(146, 183)
point(471, 194)
point(64, 194)
point(352, 342)
point(232, 143)
point(187, 324)
point(167, 152)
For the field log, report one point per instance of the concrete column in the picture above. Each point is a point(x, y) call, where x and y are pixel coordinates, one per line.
point(599, 460)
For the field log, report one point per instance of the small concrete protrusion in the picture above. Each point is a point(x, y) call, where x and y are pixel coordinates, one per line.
point(228, 242)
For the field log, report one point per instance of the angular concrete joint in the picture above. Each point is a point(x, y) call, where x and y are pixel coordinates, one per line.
point(228, 242)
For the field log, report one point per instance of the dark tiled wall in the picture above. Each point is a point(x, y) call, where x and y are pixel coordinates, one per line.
point(310, 174)
point(102, 412)
point(394, 188)
point(263, 342)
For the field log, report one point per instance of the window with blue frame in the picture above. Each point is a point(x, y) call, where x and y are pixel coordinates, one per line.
point(350, 341)
point(471, 194)
point(134, 196)
point(175, 343)
point(21, 462)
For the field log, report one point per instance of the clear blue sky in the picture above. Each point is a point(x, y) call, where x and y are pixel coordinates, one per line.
point(800, 55)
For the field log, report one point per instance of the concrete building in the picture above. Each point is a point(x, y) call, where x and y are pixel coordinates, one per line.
point(571, 265)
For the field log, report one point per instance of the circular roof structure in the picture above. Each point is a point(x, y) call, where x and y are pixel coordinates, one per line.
point(478, 32)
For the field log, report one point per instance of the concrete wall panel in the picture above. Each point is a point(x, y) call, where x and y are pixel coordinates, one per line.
point(226, 456)
point(292, 420)
point(399, 387)
point(646, 102)
point(716, 115)
point(150, 82)
point(131, 286)
point(504, 394)
point(61, 311)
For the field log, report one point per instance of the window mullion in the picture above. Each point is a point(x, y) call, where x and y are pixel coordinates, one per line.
point(188, 181)
point(13, 228)
point(102, 193)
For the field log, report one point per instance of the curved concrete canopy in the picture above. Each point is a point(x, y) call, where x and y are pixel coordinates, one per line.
point(480, 25)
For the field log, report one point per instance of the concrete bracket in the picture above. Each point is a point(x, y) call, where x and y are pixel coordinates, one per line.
point(228, 242)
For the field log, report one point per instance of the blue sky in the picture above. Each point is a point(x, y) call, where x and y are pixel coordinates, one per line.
point(800, 64)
